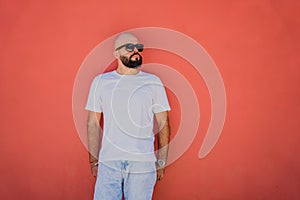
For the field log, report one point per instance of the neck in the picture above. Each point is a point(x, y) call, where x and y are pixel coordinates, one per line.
point(122, 69)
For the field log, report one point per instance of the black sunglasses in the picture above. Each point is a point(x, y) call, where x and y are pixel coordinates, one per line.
point(130, 47)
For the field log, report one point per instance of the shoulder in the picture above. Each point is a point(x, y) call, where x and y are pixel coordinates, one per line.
point(151, 77)
point(104, 76)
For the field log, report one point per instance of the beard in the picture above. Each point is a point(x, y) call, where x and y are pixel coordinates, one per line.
point(128, 62)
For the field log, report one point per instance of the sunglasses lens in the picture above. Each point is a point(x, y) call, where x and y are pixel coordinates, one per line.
point(140, 47)
point(129, 47)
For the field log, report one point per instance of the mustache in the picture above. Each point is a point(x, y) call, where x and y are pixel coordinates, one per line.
point(135, 53)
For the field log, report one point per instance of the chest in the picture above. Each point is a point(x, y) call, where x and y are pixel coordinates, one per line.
point(124, 92)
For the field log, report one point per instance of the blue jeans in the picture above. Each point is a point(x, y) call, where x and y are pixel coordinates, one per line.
point(134, 179)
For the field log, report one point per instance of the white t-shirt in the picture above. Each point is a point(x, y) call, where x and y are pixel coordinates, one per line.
point(128, 103)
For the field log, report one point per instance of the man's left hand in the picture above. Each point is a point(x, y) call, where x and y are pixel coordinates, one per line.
point(160, 173)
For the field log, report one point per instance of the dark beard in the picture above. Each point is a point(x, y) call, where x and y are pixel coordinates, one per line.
point(132, 63)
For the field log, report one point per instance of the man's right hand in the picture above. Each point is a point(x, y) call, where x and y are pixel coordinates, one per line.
point(94, 170)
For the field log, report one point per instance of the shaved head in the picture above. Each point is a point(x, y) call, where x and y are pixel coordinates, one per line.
point(125, 38)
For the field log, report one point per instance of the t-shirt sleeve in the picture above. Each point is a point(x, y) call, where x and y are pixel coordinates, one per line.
point(94, 102)
point(160, 100)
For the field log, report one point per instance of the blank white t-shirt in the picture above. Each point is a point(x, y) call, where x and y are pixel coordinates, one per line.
point(128, 103)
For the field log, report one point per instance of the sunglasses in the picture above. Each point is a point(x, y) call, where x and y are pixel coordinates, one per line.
point(130, 47)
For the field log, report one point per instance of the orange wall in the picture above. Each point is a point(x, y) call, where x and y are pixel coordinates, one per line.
point(255, 44)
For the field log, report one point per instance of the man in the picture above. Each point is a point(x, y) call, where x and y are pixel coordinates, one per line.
point(129, 100)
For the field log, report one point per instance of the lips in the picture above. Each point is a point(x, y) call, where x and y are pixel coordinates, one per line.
point(135, 56)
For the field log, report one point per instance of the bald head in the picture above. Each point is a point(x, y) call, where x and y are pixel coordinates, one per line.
point(125, 38)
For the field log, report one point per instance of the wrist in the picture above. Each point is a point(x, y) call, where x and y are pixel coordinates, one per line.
point(94, 163)
point(161, 163)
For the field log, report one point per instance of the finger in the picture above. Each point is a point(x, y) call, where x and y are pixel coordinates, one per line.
point(160, 176)
point(94, 172)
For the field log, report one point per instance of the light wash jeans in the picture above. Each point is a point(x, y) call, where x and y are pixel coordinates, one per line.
point(134, 179)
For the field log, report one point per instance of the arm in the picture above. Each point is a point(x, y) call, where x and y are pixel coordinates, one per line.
point(163, 140)
point(93, 131)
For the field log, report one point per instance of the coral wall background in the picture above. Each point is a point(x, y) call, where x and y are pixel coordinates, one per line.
point(255, 44)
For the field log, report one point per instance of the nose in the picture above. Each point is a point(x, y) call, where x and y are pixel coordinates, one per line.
point(135, 50)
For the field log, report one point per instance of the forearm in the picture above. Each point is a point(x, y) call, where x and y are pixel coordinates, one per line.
point(163, 141)
point(93, 141)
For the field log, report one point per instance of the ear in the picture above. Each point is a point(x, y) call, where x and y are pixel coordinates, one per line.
point(116, 54)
